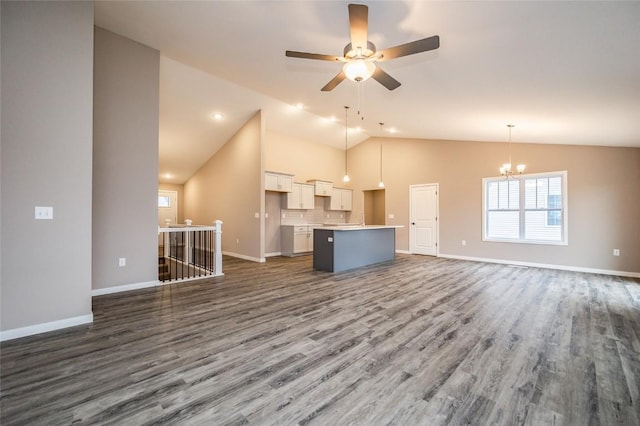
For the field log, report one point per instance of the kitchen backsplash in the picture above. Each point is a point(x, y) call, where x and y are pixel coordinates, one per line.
point(317, 215)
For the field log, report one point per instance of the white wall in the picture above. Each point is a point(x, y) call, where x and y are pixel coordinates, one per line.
point(47, 89)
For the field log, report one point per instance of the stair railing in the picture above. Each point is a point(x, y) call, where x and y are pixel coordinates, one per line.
point(189, 252)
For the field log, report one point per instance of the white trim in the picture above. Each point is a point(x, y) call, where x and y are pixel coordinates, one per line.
point(403, 251)
point(522, 210)
point(545, 265)
point(411, 233)
point(121, 288)
point(278, 253)
point(16, 333)
point(242, 256)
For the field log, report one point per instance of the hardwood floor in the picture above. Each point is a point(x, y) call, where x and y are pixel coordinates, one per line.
point(417, 341)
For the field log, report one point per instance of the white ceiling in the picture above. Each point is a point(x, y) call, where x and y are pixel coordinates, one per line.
point(562, 72)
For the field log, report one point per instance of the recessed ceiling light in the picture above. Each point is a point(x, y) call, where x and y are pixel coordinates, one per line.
point(167, 175)
point(299, 105)
point(217, 116)
point(393, 130)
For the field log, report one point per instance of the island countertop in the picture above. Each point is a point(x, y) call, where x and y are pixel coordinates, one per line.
point(360, 227)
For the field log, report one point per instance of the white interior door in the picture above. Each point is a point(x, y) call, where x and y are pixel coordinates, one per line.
point(167, 208)
point(423, 234)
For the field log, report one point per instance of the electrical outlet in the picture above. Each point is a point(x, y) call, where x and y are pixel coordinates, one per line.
point(122, 262)
point(237, 240)
point(256, 215)
point(616, 252)
point(464, 242)
point(392, 216)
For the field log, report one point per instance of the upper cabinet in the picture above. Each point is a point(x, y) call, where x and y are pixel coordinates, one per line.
point(302, 196)
point(341, 199)
point(279, 182)
point(323, 188)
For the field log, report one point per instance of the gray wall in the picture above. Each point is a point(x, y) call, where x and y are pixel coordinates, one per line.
point(229, 187)
point(125, 161)
point(47, 86)
point(603, 196)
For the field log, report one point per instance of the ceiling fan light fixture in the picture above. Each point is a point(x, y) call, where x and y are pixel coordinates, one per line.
point(359, 70)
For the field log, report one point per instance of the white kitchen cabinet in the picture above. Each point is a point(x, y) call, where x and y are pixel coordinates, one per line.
point(302, 197)
point(279, 182)
point(296, 239)
point(341, 199)
point(323, 188)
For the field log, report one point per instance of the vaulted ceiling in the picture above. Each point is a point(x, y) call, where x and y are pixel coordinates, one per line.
point(562, 72)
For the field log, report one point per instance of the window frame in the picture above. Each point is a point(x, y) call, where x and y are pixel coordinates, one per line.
point(168, 198)
point(564, 210)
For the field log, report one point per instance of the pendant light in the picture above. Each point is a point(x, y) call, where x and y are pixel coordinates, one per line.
point(381, 183)
point(346, 178)
point(506, 170)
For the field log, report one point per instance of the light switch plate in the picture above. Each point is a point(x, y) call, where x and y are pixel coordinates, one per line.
point(44, 213)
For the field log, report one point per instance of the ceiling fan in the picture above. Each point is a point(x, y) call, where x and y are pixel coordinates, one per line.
point(360, 56)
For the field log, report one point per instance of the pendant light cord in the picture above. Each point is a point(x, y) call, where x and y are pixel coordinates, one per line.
point(510, 126)
point(381, 124)
point(346, 132)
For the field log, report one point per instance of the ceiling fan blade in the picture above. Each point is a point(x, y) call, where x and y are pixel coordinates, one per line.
point(429, 43)
point(305, 55)
point(334, 82)
point(359, 23)
point(385, 79)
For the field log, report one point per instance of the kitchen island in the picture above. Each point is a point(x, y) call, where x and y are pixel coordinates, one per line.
point(338, 248)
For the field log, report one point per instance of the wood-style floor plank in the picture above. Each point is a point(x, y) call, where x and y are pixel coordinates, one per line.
point(416, 341)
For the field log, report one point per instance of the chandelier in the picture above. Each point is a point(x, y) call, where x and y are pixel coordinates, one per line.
point(505, 169)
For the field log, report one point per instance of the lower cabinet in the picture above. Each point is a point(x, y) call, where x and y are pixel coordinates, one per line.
point(296, 239)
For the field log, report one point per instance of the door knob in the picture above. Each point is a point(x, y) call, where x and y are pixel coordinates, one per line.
point(413, 223)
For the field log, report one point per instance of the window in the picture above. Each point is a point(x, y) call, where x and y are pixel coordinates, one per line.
point(527, 209)
point(164, 201)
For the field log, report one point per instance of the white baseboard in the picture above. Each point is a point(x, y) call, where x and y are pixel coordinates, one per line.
point(544, 265)
point(242, 256)
point(273, 254)
point(16, 333)
point(403, 251)
point(121, 288)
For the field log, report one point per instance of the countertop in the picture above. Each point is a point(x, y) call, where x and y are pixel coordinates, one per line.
point(360, 227)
